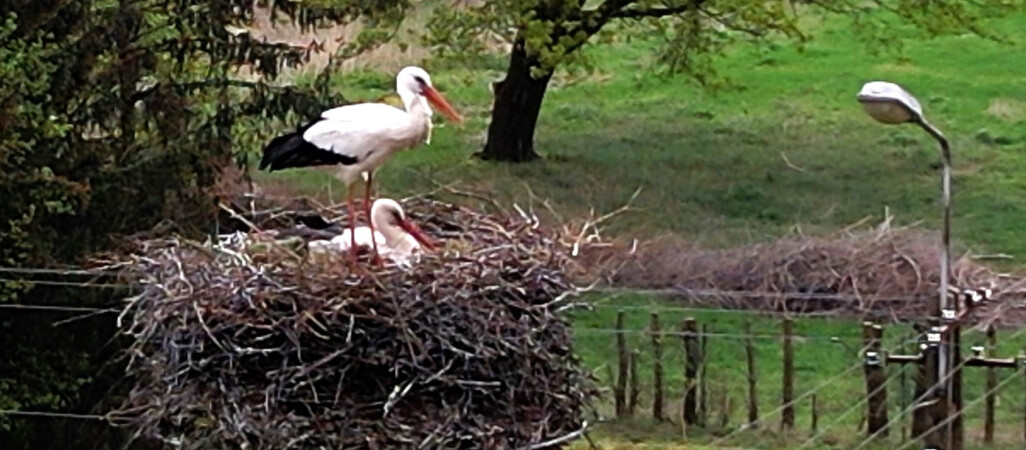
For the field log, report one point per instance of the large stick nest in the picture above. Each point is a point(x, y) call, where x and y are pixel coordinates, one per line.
point(246, 343)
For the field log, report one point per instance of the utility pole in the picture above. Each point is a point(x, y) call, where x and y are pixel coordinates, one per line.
point(941, 358)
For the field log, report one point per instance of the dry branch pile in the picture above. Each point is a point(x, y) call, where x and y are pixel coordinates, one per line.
point(248, 344)
point(880, 269)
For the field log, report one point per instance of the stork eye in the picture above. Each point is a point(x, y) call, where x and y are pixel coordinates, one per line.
point(419, 80)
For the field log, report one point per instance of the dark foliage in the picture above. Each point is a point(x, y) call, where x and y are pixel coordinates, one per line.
point(116, 116)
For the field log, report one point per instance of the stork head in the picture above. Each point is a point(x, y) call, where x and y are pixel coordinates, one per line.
point(413, 80)
point(388, 218)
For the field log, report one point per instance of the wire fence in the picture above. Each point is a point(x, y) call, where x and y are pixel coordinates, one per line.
point(828, 394)
point(750, 372)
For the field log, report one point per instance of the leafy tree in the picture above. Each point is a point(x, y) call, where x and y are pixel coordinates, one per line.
point(547, 34)
point(116, 116)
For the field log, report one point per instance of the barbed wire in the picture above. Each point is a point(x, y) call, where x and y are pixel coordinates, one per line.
point(716, 310)
point(858, 405)
point(56, 308)
point(617, 291)
point(82, 284)
point(56, 415)
point(791, 403)
point(58, 271)
point(962, 410)
point(929, 391)
point(739, 336)
point(681, 291)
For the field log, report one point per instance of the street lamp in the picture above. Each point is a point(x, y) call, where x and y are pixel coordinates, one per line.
point(890, 104)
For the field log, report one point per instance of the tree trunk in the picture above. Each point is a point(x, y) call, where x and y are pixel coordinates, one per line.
point(518, 100)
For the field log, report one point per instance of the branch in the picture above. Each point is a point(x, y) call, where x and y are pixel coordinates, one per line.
point(725, 21)
point(143, 93)
point(654, 12)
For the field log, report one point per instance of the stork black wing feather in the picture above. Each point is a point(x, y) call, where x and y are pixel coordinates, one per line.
point(291, 150)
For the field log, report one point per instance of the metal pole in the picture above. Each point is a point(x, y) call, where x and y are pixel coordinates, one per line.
point(948, 350)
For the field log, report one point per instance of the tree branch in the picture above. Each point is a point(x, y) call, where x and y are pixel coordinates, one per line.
point(654, 12)
point(657, 12)
point(593, 20)
point(188, 86)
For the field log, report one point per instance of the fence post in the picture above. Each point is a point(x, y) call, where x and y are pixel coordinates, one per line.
point(904, 387)
point(657, 369)
point(753, 396)
point(988, 418)
point(619, 392)
point(693, 357)
point(725, 410)
point(876, 379)
point(703, 381)
point(921, 419)
point(815, 414)
point(1022, 361)
point(787, 390)
point(632, 399)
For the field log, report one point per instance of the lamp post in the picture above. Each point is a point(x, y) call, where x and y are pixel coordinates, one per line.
point(890, 104)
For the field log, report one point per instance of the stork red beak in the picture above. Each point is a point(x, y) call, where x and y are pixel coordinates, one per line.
point(409, 227)
point(439, 102)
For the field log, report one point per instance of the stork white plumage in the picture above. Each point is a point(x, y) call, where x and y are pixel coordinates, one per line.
point(397, 237)
point(360, 138)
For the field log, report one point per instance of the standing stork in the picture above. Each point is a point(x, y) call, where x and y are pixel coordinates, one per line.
point(361, 137)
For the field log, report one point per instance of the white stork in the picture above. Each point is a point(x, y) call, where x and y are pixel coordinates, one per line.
point(399, 238)
point(361, 137)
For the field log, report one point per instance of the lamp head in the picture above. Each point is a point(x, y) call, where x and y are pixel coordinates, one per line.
point(889, 103)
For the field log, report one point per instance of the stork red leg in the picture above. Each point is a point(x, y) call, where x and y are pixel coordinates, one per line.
point(367, 208)
point(352, 226)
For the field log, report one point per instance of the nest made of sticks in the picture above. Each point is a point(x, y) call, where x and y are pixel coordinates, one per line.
point(246, 343)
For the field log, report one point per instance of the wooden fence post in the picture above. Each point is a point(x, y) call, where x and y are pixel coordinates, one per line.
point(1022, 360)
point(693, 357)
point(657, 369)
point(921, 419)
point(988, 414)
point(815, 415)
point(787, 390)
point(903, 381)
point(632, 399)
point(703, 381)
point(876, 379)
point(753, 396)
point(725, 410)
point(620, 391)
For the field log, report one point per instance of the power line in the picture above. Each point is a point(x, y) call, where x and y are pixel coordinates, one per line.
point(58, 308)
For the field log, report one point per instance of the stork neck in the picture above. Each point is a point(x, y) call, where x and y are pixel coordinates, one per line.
point(393, 234)
point(414, 103)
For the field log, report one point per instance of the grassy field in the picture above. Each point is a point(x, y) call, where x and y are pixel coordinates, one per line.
point(827, 366)
point(787, 145)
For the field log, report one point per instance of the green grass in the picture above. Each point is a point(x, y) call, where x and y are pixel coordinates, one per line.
point(786, 145)
point(832, 367)
point(711, 165)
